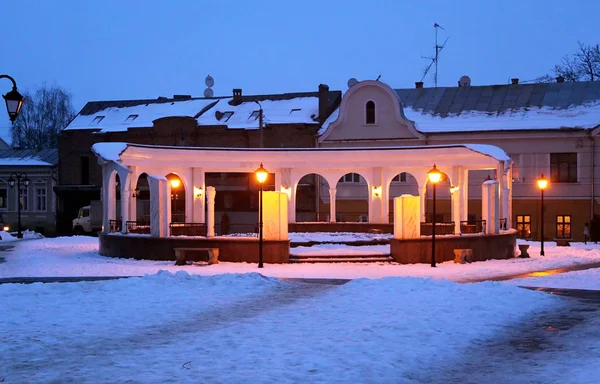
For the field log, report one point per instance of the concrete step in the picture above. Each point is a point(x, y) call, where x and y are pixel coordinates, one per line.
point(341, 259)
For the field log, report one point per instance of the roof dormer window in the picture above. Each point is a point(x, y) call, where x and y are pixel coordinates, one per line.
point(254, 115)
point(370, 112)
point(98, 119)
point(295, 111)
point(131, 118)
point(226, 116)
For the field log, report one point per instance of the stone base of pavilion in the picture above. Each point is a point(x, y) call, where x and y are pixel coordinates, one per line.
point(485, 247)
point(231, 249)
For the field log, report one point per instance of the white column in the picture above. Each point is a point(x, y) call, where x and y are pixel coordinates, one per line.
point(464, 196)
point(291, 211)
point(133, 177)
point(332, 205)
point(210, 219)
point(108, 197)
point(423, 202)
point(455, 201)
point(406, 217)
point(198, 190)
point(490, 206)
point(126, 198)
point(157, 206)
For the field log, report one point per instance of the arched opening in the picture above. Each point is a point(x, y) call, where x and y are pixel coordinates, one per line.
point(312, 199)
point(370, 112)
point(141, 194)
point(352, 199)
point(403, 183)
point(443, 208)
point(177, 198)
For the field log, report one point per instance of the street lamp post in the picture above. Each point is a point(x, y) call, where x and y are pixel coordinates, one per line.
point(434, 177)
point(261, 176)
point(14, 100)
point(21, 177)
point(542, 184)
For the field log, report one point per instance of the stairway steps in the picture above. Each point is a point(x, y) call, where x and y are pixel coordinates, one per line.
point(341, 259)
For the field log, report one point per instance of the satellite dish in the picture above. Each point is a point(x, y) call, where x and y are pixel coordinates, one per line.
point(352, 81)
point(209, 81)
point(464, 81)
point(208, 92)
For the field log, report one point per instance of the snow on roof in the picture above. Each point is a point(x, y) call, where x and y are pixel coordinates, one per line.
point(489, 150)
point(299, 110)
point(581, 116)
point(109, 151)
point(114, 119)
point(27, 161)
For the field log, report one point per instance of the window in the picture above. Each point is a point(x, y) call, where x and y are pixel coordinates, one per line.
point(524, 226)
point(370, 112)
point(40, 199)
point(130, 118)
point(516, 167)
point(563, 227)
point(350, 178)
point(24, 198)
point(85, 170)
point(226, 115)
point(563, 167)
point(3, 196)
point(401, 177)
point(98, 119)
point(294, 111)
point(254, 115)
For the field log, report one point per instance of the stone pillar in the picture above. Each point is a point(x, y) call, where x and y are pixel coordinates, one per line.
point(407, 213)
point(198, 195)
point(108, 197)
point(490, 205)
point(275, 225)
point(158, 207)
point(210, 212)
point(332, 205)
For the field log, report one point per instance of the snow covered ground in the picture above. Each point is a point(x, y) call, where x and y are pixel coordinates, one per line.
point(235, 323)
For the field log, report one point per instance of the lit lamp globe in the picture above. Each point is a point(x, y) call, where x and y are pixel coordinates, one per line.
point(434, 175)
point(542, 182)
point(175, 183)
point(261, 174)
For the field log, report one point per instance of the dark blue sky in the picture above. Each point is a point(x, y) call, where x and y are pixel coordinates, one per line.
point(124, 49)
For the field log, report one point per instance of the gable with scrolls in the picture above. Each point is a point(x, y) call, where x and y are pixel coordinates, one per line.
point(370, 110)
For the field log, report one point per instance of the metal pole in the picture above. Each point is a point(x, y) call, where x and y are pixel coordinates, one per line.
point(260, 229)
point(433, 230)
point(19, 233)
point(542, 250)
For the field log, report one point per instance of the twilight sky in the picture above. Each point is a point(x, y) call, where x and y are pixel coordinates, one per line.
point(127, 49)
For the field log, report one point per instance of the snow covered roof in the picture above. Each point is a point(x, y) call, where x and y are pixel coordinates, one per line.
point(29, 157)
point(503, 107)
point(286, 108)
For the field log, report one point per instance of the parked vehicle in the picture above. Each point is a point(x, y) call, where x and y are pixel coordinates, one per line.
point(89, 219)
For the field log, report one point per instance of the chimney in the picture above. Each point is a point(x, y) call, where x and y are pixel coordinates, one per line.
point(560, 79)
point(182, 97)
point(237, 96)
point(323, 102)
point(514, 81)
point(419, 84)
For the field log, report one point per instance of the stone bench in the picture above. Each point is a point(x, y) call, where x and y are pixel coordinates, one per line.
point(181, 255)
point(462, 256)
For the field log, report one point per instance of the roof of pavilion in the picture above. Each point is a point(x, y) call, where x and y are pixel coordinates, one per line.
point(246, 160)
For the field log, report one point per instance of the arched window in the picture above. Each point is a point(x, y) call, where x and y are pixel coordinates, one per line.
point(370, 112)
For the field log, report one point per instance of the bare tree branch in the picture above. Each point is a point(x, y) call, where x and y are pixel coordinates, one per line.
point(583, 65)
point(42, 117)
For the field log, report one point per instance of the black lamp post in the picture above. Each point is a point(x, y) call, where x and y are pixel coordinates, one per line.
point(434, 177)
point(261, 176)
point(542, 184)
point(14, 100)
point(22, 177)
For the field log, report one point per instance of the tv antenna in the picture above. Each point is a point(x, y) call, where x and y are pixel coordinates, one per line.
point(435, 59)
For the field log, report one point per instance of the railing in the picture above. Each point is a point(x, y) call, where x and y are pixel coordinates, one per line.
point(246, 229)
point(187, 229)
point(142, 226)
point(115, 225)
point(311, 217)
point(443, 228)
point(472, 226)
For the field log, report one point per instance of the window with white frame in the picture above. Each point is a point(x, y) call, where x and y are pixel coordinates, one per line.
point(24, 198)
point(350, 178)
point(41, 198)
point(3, 197)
